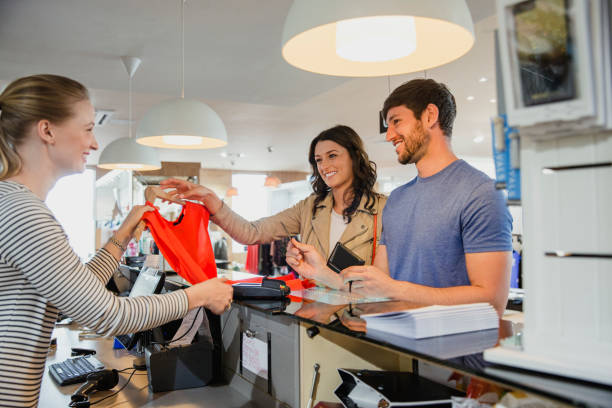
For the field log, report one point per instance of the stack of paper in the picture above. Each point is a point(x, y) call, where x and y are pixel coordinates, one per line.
point(442, 347)
point(435, 320)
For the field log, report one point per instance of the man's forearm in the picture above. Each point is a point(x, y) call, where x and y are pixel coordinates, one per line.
point(455, 295)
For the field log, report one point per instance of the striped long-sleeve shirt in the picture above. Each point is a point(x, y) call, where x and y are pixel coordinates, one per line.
point(41, 274)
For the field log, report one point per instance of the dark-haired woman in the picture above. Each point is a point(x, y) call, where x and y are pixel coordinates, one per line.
point(343, 208)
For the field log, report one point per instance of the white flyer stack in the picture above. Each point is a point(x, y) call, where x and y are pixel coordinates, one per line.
point(431, 321)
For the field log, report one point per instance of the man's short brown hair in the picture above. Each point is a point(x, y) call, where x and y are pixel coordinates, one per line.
point(417, 94)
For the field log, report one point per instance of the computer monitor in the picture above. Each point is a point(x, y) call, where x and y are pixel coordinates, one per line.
point(121, 280)
point(544, 54)
point(553, 53)
point(150, 281)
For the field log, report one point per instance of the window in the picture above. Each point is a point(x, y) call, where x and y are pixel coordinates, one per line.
point(251, 201)
point(72, 202)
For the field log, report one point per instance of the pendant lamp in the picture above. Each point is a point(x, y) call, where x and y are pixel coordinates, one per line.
point(125, 153)
point(182, 123)
point(366, 38)
point(272, 181)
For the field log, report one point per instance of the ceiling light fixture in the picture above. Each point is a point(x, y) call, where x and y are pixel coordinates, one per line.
point(470, 98)
point(362, 38)
point(182, 123)
point(125, 153)
point(272, 181)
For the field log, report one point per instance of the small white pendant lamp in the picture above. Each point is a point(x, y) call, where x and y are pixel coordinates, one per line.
point(272, 181)
point(231, 192)
point(125, 153)
point(363, 38)
point(182, 123)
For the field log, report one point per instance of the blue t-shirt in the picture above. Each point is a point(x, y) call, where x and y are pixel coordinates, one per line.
point(430, 223)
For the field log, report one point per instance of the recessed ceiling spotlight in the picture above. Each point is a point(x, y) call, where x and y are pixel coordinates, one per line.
point(241, 154)
point(223, 154)
point(478, 139)
point(483, 79)
point(492, 100)
point(470, 98)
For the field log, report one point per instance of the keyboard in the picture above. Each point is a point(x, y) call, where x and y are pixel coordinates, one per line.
point(74, 370)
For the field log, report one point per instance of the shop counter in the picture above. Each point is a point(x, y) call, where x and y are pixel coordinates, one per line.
point(270, 349)
point(300, 333)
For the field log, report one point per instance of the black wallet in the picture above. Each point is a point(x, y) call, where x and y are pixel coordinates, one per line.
point(342, 257)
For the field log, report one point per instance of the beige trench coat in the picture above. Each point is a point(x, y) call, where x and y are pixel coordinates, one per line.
point(313, 230)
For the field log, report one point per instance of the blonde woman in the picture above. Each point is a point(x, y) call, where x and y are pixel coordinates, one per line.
point(46, 132)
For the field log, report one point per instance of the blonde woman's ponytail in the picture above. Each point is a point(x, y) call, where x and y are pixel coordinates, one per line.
point(10, 162)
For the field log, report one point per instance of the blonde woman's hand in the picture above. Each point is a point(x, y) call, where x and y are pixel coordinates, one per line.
point(213, 294)
point(182, 189)
point(132, 226)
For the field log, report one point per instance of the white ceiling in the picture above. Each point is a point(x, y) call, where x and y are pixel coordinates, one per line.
point(233, 63)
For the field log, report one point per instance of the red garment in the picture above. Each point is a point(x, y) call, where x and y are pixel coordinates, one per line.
point(185, 242)
point(252, 259)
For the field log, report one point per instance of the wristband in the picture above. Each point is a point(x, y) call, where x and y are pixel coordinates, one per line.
point(114, 241)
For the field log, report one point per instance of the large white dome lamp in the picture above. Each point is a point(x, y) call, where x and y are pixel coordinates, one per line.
point(363, 38)
point(182, 123)
point(125, 153)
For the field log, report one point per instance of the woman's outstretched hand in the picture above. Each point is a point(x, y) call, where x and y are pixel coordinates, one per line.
point(153, 192)
point(182, 189)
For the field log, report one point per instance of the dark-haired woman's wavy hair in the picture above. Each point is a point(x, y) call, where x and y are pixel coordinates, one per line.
point(364, 170)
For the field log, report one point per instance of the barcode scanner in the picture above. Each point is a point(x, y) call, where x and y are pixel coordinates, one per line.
point(99, 381)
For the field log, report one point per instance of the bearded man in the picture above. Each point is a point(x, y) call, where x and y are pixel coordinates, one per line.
point(447, 234)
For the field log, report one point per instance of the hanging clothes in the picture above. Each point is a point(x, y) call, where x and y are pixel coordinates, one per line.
point(252, 259)
point(185, 243)
point(279, 251)
point(220, 249)
point(265, 260)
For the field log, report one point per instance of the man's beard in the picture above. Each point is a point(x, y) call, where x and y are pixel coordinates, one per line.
point(415, 145)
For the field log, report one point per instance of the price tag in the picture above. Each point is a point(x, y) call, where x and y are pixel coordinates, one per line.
point(255, 356)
